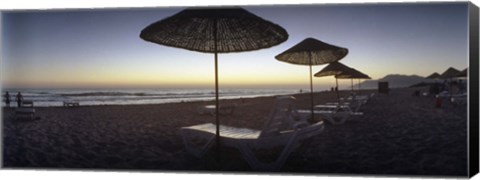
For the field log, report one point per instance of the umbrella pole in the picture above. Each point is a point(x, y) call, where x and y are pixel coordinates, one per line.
point(359, 85)
point(338, 96)
point(352, 85)
point(311, 87)
point(217, 121)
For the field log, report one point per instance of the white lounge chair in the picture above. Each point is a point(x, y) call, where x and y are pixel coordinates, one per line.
point(339, 112)
point(359, 98)
point(355, 101)
point(458, 98)
point(71, 103)
point(334, 113)
point(27, 111)
point(461, 98)
point(281, 130)
point(333, 116)
point(210, 109)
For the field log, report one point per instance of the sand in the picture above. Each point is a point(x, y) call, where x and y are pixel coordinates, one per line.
point(399, 134)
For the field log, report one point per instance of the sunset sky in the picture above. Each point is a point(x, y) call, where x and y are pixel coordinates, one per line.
point(102, 48)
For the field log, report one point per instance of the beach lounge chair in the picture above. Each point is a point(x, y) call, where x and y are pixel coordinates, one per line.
point(351, 107)
point(26, 111)
point(71, 103)
point(460, 98)
point(351, 104)
point(210, 109)
point(337, 112)
point(333, 116)
point(280, 130)
point(358, 99)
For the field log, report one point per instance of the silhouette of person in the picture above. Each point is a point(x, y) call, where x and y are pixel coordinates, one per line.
point(7, 99)
point(19, 99)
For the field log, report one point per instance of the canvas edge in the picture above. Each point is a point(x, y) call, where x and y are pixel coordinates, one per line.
point(473, 124)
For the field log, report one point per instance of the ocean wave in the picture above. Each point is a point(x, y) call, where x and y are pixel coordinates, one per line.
point(104, 94)
point(137, 94)
point(55, 97)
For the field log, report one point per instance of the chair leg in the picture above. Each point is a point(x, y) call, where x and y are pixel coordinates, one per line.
point(357, 107)
point(337, 118)
point(341, 117)
point(199, 149)
point(256, 164)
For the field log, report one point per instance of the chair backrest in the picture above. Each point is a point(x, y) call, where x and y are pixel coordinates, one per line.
point(280, 116)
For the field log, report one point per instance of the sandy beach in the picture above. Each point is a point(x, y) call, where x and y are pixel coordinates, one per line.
point(399, 134)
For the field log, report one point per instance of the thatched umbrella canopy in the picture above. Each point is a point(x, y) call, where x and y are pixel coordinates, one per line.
point(463, 73)
point(333, 69)
point(352, 73)
point(449, 73)
point(220, 30)
point(312, 52)
point(434, 75)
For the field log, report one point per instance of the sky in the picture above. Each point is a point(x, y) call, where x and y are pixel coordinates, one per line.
point(102, 47)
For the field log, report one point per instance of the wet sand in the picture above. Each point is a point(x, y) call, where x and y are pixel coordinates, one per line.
point(399, 134)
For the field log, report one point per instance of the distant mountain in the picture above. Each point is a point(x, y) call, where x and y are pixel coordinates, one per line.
point(396, 81)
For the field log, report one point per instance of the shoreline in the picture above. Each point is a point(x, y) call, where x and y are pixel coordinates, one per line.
point(94, 97)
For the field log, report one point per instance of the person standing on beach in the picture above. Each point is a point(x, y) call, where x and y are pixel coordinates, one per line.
point(7, 99)
point(19, 99)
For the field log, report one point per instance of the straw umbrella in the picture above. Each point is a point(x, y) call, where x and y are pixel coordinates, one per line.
point(352, 73)
point(463, 73)
point(333, 69)
point(221, 30)
point(449, 73)
point(434, 75)
point(435, 87)
point(312, 52)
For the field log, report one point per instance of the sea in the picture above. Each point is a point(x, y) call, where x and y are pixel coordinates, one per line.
point(56, 97)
